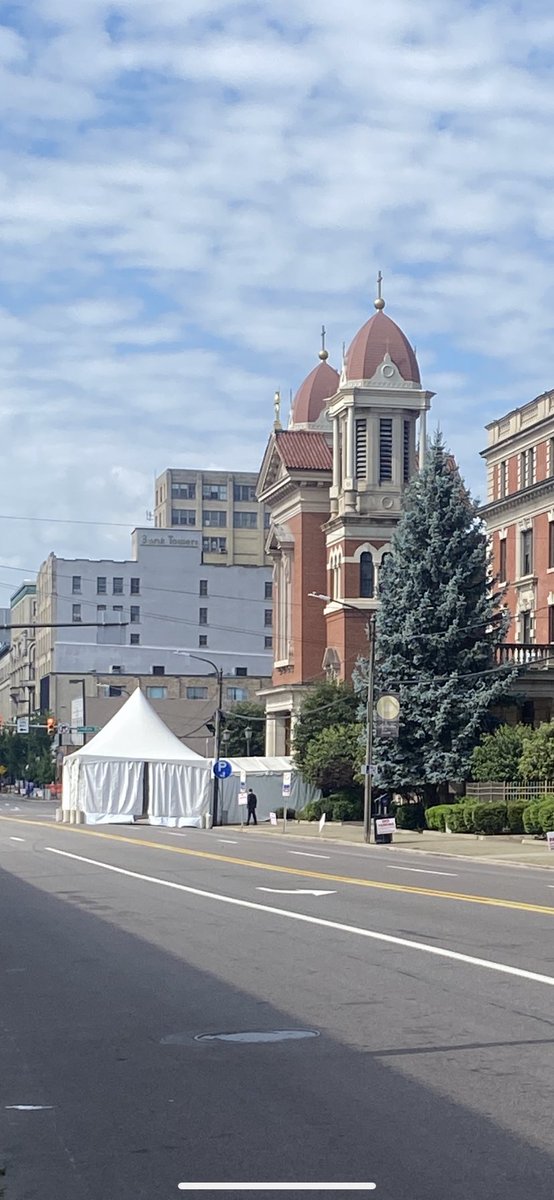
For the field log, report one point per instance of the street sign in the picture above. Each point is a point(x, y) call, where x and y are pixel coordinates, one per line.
point(287, 780)
point(222, 769)
point(273, 818)
point(22, 725)
point(322, 821)
point(243, 796)
point(86, 729)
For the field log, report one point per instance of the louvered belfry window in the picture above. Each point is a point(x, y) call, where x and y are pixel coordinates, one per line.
point(385, 449)
point(361, 449)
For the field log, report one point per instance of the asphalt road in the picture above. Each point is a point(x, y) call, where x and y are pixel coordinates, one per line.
point(432, 996)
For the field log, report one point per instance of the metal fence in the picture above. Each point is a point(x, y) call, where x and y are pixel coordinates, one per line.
point(489, 793)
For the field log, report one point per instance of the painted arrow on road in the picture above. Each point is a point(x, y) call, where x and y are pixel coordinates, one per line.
point(294, 892)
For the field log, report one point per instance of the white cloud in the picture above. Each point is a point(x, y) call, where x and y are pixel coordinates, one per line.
point(187, 189)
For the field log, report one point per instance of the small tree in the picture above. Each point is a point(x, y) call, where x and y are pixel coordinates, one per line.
point(333, 758)
point(247, 714)
point(437, 629)
point(537, 756)
point(498, 756)
point(326, 705)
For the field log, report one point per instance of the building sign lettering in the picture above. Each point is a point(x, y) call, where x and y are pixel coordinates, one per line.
point(168, 539)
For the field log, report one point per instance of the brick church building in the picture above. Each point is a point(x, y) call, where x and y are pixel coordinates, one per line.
point(333, 483)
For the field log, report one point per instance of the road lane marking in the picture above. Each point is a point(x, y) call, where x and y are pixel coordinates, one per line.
point(306, 854)
point(294, 892)
point(227, 841)
point(325, 876)
point(16, 839)
point(358, 931)
point(422, 871)
point(28, 1107)
point(276, 1187)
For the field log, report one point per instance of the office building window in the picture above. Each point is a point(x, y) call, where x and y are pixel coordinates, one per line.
point(503, 479)
point(117, 608)
point(527, 552)
point(361, 449)
point(183, 516)
point(215, 518)
point(503, 567)
point(237, 693)
point(385, 449)
point(183, 491)
point(367, 575)
point(406, 446)
point(76, 585)
point(241, 670)
point(114, 691)
point(244, 491)
point(245, 520)
point(76, 613)
point(267, 519)
point(268, 642)
point(214, 545)
point(100, 608)
point(527, 467)
point(135, 639)
point(268, 617)
point(551, 457)
point(203, 639)
point(197, 693)
point(135, 587)
point(135, 614)
point(156, 693)
point(202, 616)
point(117, 585)
point(268, 590)
point(214, 491)
point(117, 669)
point(551, 543)
point(158, 670)
point(551, 623)
point(101, 585)
point(203, 587)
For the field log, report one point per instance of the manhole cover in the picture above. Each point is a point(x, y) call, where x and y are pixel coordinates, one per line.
point(259, 1035)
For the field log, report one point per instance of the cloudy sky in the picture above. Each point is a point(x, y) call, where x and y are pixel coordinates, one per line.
point(188, 188)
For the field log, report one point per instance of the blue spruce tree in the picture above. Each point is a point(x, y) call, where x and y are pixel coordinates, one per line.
point(439, 623)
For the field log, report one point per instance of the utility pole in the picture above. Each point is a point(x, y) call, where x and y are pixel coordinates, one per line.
point(368, 766)
point(217, 747)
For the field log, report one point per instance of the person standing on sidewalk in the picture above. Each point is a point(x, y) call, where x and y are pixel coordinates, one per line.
point(252, 802)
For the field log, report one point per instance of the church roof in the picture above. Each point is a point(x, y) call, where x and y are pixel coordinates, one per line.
point(304, 450)
point(378, 337)
point(309, 402)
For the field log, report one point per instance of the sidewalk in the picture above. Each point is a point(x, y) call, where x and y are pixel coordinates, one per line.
point(514, 850)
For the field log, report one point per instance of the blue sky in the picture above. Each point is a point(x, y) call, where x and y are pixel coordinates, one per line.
point(188, 189)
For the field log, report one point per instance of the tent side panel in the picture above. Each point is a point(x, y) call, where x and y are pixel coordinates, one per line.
point(110, 792)
point(179, 793)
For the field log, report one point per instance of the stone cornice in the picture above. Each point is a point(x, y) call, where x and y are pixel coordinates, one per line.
point(517, 499)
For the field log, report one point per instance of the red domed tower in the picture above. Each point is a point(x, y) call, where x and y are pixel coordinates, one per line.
point(373, 416)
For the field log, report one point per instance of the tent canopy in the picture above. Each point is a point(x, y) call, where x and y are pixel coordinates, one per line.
point(137, 734)
point(261, 766)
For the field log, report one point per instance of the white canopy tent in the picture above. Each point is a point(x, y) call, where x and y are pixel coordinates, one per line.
point(265, 776)
point(137, 767)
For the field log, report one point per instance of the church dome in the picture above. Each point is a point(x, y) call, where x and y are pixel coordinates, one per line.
point(378, 337)
point(309, 402)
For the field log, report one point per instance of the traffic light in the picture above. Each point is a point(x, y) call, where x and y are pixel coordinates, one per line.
point(51, 725)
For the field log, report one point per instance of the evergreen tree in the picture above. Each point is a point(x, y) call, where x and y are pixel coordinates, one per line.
point(437, 628)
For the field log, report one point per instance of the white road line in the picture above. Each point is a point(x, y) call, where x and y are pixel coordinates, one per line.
point(16, 839)
point(29, 1107)
point(276, 1187)
point(422, 871)
point(227, 841)
point(438, 951)
point(306, 854)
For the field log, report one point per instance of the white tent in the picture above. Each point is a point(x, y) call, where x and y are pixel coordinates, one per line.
point(268, 778)
point(137, 767)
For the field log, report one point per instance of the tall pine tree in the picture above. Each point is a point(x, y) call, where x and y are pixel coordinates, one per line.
point(437, 628)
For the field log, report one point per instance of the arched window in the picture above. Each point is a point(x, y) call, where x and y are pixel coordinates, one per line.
point(384, 558)
point(367, 575)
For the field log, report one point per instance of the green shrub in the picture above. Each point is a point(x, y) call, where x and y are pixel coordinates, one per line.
point(546, 814)
point(490, 818)
point(409, 816)
point(291, 813)
point(515, 811)
point(531, 823)
point(456, 819)
point(436, 816)
point(315, 809)
point(347, 810)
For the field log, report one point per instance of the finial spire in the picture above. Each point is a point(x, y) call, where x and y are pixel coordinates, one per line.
point(379, 302)
point(277, 410)
point(323, 353)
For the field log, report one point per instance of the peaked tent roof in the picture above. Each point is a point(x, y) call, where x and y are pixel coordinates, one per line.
point(136, 732)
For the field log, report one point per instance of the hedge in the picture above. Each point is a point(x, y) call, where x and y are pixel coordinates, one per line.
point(490, 818)
point(436, 816)
point(515, 813)
point(409, 816)
point(546, 814)
point(531, 822)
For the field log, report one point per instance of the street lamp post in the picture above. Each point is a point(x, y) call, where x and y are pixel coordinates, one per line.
point(217, 737)
point(368, 764)
point(248, 736)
